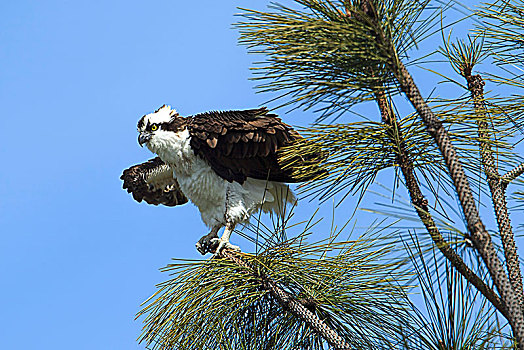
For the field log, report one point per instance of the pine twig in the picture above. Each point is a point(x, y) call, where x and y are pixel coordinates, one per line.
point(497, 188)
point(289, 302)
point(480, 236)
point(512, 175)
point(421, 206)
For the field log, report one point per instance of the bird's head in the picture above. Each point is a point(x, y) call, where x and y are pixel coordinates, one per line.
point(154, 125)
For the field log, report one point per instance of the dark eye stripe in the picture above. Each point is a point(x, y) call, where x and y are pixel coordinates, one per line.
point(140, 124)
point(149, 126)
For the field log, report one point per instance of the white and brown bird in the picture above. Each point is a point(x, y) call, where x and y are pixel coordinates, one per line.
point(226, 163)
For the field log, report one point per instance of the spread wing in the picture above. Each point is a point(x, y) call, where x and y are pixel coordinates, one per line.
point(154, 183)
point(240, 144)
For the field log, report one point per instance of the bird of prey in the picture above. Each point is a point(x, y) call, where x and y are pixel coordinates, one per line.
point(225, 163)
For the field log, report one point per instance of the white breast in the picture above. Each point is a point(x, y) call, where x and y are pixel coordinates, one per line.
point(208, 191)
point(201, 185)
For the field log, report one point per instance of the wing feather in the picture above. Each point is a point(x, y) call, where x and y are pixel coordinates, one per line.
point(153, 182)
point(241, 144)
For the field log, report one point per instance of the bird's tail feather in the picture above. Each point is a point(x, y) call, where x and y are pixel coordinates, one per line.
point(282, 196)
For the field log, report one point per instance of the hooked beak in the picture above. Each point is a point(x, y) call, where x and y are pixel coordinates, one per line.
point(144, 137)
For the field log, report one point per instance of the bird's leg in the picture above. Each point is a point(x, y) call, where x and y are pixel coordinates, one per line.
point(208, 242)
point(223, 242)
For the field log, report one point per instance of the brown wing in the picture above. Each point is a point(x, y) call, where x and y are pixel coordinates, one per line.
point(240, 144)
point(154, 183)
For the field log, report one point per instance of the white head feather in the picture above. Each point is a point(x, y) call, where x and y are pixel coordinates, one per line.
point(162, 115)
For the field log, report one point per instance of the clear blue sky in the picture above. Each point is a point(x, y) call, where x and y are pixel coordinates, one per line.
point(77, 254)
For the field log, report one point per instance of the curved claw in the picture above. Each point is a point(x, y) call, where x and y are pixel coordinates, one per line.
point(223, 244)
point(201, 247)
point(207, 243)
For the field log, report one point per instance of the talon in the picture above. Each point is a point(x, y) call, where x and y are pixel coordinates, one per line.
point(201, 248)
point(223, 242)
point(225, 245)
point(207, 243)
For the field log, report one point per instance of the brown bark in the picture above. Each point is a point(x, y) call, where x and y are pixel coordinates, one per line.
point(496, 186)
point(512, 175)
point(421, 206)
point(479, 235)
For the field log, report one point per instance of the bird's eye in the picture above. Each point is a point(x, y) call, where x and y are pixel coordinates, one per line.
point(154, 127)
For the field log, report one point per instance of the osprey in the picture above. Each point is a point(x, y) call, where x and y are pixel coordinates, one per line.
point(225, 163)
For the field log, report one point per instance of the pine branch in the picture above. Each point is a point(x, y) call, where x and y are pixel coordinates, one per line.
point(512, 175)
point(289, 302)
point(350, 286)
point(417, 198)
point(345, 47)
point(421, 206)
point(497, 188)
point(480, 237)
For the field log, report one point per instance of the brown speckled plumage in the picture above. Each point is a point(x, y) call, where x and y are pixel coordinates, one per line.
point(154, 183)
point(241, 144)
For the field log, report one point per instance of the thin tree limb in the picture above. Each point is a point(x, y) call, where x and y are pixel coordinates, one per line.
point(289, 302)
point(479, 235)
point(421, 206)
point(512, 175)
point(417, 198)
point(498, 193)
